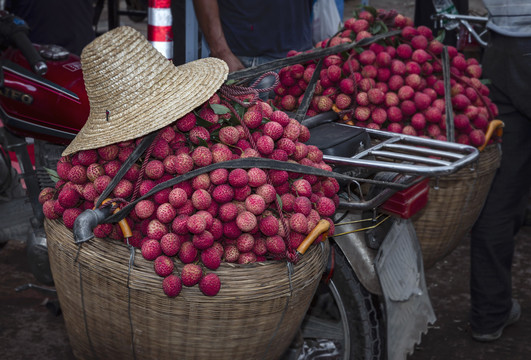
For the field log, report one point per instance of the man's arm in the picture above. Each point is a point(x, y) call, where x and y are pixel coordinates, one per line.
point(207, 13)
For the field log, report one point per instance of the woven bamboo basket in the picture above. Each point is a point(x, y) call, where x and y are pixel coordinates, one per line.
point(112, 312)
point(455, 202)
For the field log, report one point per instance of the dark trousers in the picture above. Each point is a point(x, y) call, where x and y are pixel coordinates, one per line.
point(492, 237)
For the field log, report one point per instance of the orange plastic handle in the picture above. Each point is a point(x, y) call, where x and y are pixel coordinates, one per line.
point(322, 227)
point(494, 125)
point(124, 226)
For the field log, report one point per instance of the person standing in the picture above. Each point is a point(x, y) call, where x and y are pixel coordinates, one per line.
point(507, 64)
point(247, 33)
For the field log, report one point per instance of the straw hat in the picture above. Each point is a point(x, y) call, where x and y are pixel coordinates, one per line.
point(134, 90)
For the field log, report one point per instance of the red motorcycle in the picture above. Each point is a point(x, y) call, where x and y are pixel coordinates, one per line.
point(43, 104)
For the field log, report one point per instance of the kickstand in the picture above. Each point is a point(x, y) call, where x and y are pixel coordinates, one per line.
point(43, 289)
point(52, 305)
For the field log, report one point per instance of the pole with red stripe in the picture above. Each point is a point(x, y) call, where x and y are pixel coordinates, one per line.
point(159, 27)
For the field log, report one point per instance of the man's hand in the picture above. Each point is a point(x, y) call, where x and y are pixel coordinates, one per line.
point(207, 13)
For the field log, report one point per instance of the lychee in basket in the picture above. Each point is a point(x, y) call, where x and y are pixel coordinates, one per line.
point(116, 311)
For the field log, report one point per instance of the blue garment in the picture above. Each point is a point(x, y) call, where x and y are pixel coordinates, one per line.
point(266, 28)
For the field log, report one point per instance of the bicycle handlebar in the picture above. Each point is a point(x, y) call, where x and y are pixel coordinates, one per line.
point(463, 20)
point(14, 31)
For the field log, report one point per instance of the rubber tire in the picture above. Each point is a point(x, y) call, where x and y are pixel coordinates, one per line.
point(366, 325)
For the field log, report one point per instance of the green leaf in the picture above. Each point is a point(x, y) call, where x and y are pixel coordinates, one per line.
point(372, 10)
point(239, 109)
point(202, 142)
point(279, 200)
point(376, 28)
point(486, 81)
point(219, 109)
point(440, 36)
point(202, 122)
point(230, 82)
point(53, 175)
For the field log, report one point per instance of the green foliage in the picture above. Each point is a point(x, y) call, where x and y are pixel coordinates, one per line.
point(53, 175)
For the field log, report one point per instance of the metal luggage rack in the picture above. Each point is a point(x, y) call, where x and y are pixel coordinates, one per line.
point(387, 162)
point(408, 154)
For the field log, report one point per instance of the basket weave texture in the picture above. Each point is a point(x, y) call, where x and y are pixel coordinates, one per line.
point(454, 206)
point(111, 313)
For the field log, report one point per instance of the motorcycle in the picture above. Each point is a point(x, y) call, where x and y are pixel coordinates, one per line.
point(43, 104)
point(373, 301)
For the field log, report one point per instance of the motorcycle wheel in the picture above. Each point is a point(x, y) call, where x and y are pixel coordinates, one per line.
point(345, 321)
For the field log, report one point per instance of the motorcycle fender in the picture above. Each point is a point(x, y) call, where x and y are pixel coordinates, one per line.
point(360, 257)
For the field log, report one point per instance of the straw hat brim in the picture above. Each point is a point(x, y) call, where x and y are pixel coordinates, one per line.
point(134, 90)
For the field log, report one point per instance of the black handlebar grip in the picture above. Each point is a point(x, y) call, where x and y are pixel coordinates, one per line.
point(23, 43)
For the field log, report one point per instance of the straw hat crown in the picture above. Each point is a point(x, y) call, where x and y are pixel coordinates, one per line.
point(134, 90)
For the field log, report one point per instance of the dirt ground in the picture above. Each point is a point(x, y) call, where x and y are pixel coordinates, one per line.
point(30, 327)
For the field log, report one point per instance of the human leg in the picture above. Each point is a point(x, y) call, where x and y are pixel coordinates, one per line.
point(492, 238)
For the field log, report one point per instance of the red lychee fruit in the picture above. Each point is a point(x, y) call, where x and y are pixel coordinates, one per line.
point(281, 117)
point(477, 137)
point(246, 221)
point(177, 197)
point(46, 194)
point(231, 253)
point(220, 153)
point(253, 119)
point(166, 213)
point(123, 189)
point(48, 209)
point(376, 96)
point(68, 197)
point(203, 240)
point(201, 199)
point(154, 169)
point(163, 266)
point(89, 192)
point(187, 253)
point(269, 225)
point(196, 224)
point(191, 274)
point(302, 187)
point(299, 223)
point(162, 196)
point(109, 152)
point(170, 244)
point(275, 245)
point(223, 193)
point(257, 177)
point(77, 174)
point(292, 130)
point(172, 285)
point(210, 284)
point(219, 176)
point(151, 249)
point(229, 135)
point(202, 156)
point(255, 204)
point(245, 242)
point(247, 258)
point(211, 258)
point(70, 215)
